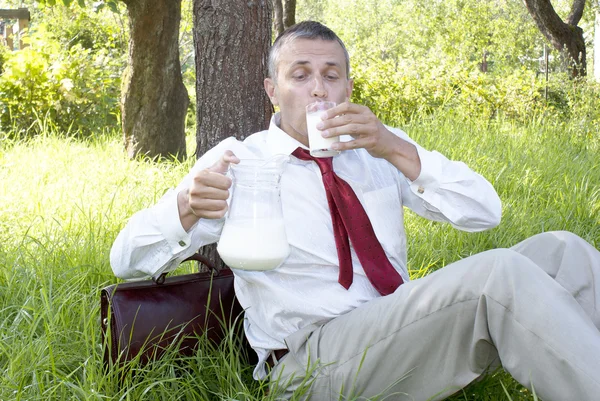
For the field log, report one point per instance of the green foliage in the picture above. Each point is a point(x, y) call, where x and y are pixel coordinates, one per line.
point(420, 35)
point(91, 29)
point(399, 96)
point(3, 54)
point(413, 57)
point(76, 90)
point(69, 77)
point(97, 5)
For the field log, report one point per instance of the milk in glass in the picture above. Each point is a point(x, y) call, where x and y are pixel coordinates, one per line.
point(319, 146)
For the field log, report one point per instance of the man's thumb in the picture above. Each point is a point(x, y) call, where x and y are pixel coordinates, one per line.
point(222, 165)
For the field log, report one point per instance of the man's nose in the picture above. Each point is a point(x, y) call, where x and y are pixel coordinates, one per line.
point(319, 89)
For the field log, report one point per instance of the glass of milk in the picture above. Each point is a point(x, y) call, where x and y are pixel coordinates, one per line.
point(319, 146)
point(253, 236)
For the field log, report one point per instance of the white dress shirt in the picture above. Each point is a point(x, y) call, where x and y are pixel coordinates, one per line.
point(305, 289)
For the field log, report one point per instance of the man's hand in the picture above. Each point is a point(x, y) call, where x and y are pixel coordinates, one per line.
point(208, 193)
point(370, 133)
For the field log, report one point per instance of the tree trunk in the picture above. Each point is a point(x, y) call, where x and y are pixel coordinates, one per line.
point(231, 38)
point(289, 13)
point(566, 37)
point(154, 99)
point(278, 17)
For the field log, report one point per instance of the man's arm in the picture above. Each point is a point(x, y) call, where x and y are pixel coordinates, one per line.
point(158, 238)
point(449, 191)
point(434, 187)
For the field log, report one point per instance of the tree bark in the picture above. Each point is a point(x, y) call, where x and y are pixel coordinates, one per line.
point(289, 13)
point(566, 37)
point(278, 17)
point(232, 38)
point(154, 99)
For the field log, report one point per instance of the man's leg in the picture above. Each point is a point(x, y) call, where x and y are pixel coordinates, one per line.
point(435, 335)
point(572, 262)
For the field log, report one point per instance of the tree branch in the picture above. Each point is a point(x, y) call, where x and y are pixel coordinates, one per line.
point(548, 21)
point(576, 12)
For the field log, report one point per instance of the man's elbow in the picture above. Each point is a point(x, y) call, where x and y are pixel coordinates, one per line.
point(492, 219)
point(493, 222)
point(482, 221)
point(120, 264)
point(495, 213)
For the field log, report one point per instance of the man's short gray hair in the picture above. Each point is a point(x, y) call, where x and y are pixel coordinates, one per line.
point(303, 30)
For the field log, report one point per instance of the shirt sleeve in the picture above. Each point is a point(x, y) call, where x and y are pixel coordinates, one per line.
point(449, 191)
point(154, 241)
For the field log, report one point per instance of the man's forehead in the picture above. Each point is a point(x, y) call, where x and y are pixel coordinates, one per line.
point(301, 49)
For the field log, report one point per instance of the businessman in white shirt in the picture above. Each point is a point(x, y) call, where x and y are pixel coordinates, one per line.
point(423, 339)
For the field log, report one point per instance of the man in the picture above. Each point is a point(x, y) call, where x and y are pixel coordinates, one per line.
point(359, 329)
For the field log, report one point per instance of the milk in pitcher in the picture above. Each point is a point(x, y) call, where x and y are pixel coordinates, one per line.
point(259, 244)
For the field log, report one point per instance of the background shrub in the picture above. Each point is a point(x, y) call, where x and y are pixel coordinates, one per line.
point(68, 77)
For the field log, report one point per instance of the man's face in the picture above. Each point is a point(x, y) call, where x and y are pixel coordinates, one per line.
point(308, 71)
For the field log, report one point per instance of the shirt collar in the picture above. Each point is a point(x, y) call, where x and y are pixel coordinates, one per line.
point(278, 141)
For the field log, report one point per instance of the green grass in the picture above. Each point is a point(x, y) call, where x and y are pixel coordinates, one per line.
point(62, 203)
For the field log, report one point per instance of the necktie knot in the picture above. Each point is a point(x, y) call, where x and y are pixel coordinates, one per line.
point(325, 163)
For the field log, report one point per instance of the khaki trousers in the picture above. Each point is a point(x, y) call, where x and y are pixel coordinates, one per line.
point(534, 308)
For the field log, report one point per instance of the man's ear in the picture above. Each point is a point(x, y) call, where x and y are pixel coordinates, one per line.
point(349, 87)
point(270, 89)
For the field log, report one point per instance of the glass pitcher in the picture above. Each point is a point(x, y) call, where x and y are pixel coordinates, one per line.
point(253, 237)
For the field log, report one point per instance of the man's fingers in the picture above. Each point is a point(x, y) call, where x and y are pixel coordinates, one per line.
point(205, 192)
point(208, 202)
point(358, 121)
point(209, 214)
point(347, 145)
point(211, 179)
point(208, 194)
point(356, 130)
point(345, 108)
point(346, 119)
point(208, 205)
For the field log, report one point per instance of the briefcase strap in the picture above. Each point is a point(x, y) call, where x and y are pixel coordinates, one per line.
point(201, 259)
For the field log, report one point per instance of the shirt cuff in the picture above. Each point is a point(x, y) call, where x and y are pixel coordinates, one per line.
point(431, 170)
point(167, 213)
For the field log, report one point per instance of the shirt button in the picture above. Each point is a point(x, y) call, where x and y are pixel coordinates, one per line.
point(421, 190)
point(181, 243)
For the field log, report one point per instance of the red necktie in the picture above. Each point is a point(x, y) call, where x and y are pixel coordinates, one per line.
point(351, 221)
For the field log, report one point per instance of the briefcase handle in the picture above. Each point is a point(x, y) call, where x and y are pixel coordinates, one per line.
point(201, 259)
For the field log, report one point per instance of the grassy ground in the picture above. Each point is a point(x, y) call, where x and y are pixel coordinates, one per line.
point(62, 202)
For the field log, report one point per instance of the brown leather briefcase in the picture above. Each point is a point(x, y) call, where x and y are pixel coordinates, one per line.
point(141, 319)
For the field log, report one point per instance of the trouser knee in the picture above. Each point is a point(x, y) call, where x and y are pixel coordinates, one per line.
point(552, 240)
point(510, 271)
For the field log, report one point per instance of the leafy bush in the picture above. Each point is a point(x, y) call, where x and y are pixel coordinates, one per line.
point(411, 59)
point(75, 25)
point(76, 90)
point(71, 85)
point(3, 51)
point(399, 96)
